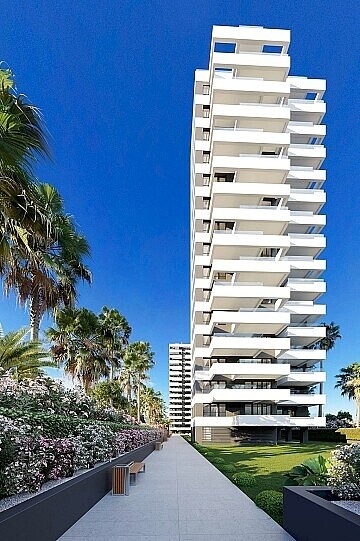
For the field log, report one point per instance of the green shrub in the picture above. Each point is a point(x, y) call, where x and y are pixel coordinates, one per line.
point(227, 469)
point(217, 460)
point(271, 501)
point(312, 472)
point(350, 433)
point(243, 479)
point(327, 434)
point(208, 454)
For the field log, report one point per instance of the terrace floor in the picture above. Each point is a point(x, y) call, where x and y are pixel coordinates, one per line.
point(181, 497)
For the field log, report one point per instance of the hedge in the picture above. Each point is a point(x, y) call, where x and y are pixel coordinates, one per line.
point(57, 426)
point(350, 433)
point(326, 434)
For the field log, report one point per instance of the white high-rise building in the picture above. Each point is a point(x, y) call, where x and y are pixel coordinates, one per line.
point(256, 241)
point(180, 388)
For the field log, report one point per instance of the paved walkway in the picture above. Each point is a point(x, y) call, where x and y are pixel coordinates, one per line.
point(181, 497)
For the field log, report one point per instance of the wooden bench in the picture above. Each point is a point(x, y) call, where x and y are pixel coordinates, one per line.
point(135, 468)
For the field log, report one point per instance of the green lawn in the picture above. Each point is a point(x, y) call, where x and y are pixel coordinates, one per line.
point(268, 463)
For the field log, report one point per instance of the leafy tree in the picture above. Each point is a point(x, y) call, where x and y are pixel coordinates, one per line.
point(109, 393)
point(77, 345)
point(115, 331)
point(343, 419)
point(138, 360)
point(20, 358)
point(348, 381)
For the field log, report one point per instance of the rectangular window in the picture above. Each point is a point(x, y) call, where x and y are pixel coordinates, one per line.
point(313, 141)
point(206, 249)
point(206, 111)
point(220, 47)
point(206, 90)
point(206, 157)
point(206, 134)
point(272, 49)
point(206, 203)
point(206, 226)
point(206, 180)
point(206, 294)
point(206, 272)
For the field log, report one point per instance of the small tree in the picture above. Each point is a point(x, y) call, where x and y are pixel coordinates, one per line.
point(109, 393)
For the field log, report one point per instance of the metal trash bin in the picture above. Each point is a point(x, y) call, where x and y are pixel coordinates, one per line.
point(121, 479)
point(158, 446)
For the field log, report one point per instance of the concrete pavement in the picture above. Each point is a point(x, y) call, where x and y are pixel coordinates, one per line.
point(181, 497)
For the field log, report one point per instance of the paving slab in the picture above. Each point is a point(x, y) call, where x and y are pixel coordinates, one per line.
point(180, 497)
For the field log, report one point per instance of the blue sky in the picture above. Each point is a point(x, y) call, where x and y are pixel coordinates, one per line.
point(114, 81)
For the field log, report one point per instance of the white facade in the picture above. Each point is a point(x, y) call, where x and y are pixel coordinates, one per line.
point(256, 238)
point(180, 388)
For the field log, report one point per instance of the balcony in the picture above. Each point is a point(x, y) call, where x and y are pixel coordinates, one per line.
point(245, 244)
point(261, 420)
point(274, 67)
point(227, 296)
point(300, 357)
point(302, 399)
point(248, 136)
point(257, 87)
point(308, 129)
point(306, 244)
point(231, 344)
point(256, 166)
point(221, 190)
point(306, 289)
point(299, 378)
point(309, 110)
point(270, 322)
point(245, 370)
point(242, 395)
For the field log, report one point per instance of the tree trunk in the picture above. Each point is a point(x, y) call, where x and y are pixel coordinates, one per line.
point(138, 400)
point(129, 396)
point(34, 316)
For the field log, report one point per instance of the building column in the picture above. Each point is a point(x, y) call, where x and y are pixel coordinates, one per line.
point(304, 435)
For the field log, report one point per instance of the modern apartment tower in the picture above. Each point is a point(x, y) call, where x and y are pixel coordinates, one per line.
point(256, 242)
point(180, 388)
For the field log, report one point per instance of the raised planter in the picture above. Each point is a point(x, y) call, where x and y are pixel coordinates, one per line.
point(309, 515)
point(46, 516)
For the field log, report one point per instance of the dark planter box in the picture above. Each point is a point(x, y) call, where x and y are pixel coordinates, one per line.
point(309, 515)
point(46, 516)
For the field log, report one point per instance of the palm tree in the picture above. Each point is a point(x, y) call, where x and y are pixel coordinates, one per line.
point(77, 345)
point(349, 382)
point(138, 361)
point(327, 343)
point(153, 406)
point(20, 358)
point(116, 333)
point(22, 142)
point(49, 279)
point(332, 334)
point(126, 378)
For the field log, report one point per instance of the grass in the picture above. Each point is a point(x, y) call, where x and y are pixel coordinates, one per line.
point(352, 434)
point(266, 463)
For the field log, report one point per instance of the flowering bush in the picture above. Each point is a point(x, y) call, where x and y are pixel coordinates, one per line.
point(344, 472)
point(48, 432)
point(48, 396)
